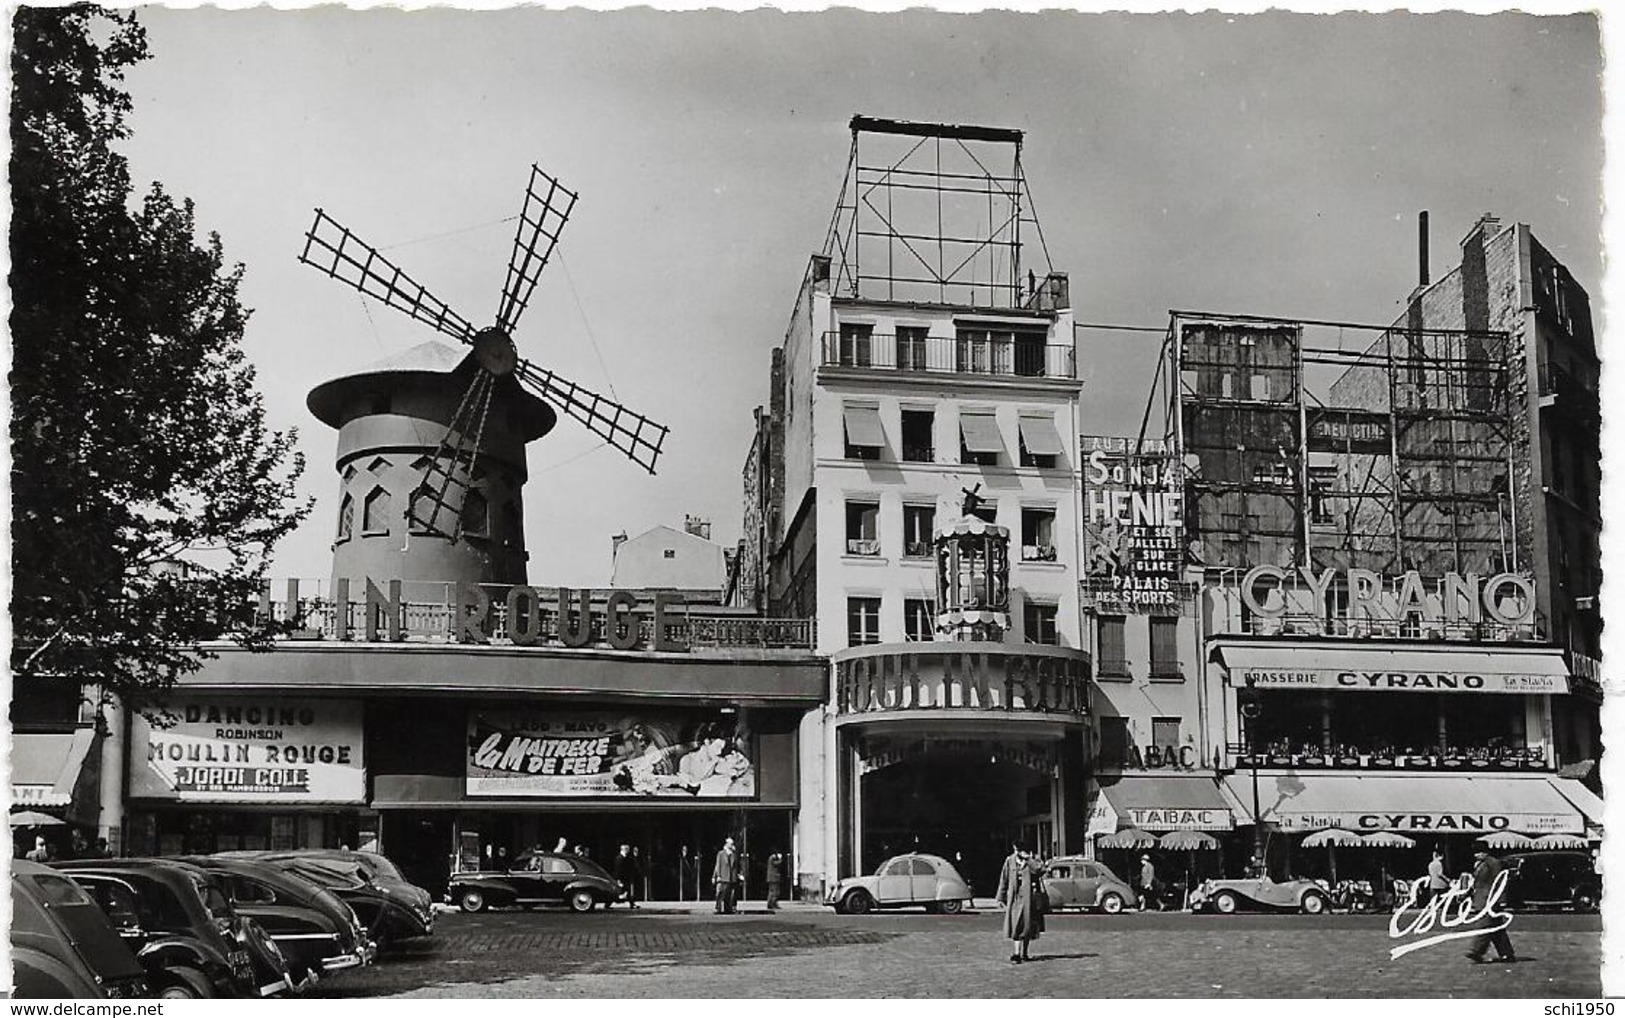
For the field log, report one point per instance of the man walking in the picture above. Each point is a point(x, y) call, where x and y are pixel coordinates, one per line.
point(1487, 867)
point(775, 874)
point(725, 874)
point(1148, 885)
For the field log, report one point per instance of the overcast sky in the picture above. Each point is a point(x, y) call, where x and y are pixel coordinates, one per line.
point(1269, 164)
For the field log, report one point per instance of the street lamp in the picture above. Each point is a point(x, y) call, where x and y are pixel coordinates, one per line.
point(1250, 710)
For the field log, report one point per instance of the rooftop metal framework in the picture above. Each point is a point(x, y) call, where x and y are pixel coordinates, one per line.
point(1334, 444)
point(928, 213)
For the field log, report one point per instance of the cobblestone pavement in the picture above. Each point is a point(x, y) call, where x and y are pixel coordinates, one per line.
point(812, 953)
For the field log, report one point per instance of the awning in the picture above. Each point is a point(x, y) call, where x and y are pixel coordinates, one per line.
point(1580, 797)
point(1430, 804)
point(46, 767)
point(863, 426)
point(1426, 668)
point(1039, 435)
point(980, 432)
point(1158, 802)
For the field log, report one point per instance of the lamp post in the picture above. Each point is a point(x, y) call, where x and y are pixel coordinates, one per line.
point(1251, 710)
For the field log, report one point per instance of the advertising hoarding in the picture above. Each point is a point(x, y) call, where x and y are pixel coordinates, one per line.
point(1134, 526)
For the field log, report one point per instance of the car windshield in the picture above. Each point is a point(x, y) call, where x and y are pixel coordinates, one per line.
point(214, 898)
point(382, 866)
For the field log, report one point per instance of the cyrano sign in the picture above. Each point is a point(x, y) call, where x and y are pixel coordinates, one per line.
point(1506, 598)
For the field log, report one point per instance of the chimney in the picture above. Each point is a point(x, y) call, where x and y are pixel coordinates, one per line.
point(1422, 248)
point(1053, 294)
point(819, 271)
point(699, 526)
point(615, 544)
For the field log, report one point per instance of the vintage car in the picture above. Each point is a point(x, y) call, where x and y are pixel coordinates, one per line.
point(319, 934)
point(1071, 881)
point(389, 909)
point(1260, 893)
point(536, 878)
point(180, 926)
point(62, 945)
point(900, 882)
point(1552, 880)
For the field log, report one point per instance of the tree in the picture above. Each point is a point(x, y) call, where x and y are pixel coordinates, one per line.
point(147, 492)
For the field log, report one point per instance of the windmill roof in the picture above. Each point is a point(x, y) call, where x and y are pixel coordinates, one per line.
point(329, 400)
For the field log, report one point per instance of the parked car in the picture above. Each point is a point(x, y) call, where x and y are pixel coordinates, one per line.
point(319, 934)
point(1259, 893)
point(180, 926)
point(900, 882)
point(1552, 879)
point(62, 945)
point(389, 910)
point(536, 878)
point(1071, 881)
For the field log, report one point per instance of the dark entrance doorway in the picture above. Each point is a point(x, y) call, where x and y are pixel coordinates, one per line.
point(964, 806)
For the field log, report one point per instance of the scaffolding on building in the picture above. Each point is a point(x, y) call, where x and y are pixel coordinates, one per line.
point(1334, 444)
point(928, 214)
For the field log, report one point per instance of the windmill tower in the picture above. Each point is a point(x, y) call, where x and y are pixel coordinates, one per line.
point(432, 442)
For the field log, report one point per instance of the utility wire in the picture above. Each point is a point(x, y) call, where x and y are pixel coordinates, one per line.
point(1160, 330)
point(448, 233)
point(585, 324)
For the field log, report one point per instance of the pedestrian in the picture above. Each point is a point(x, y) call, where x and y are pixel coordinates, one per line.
point(78, 847)
point(725, 874)
point(101, 851)
point(627, 876)
point(1485, 869)
point(1437, 883)
point(1148, 885)
point(775, 877)
point(42, 851)
point(562, 847)
point(1021, 894)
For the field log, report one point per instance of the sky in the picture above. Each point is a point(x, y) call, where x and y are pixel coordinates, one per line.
point(1263, 164)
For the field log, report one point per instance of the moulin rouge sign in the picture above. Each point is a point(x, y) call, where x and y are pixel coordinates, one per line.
point(473, 616)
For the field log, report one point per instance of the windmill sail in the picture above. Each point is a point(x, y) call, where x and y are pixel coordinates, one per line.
point(330, 247)
point(627, 430)
point(547, 208)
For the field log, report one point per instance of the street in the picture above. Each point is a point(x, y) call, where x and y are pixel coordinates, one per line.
point(809, 952)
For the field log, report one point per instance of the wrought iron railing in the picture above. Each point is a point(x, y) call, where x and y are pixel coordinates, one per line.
point(949, 356)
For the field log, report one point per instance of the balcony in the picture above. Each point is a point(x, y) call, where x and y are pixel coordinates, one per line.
point(941, 355)
point(867, 547)
point(1458, 759)
point(1038, 553)
point(427, 614)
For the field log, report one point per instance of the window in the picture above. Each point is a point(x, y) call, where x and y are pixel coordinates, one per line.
point(919, 619)
point(1113, 741)
point(1111, 651)
point(250, 892)
point(865, 437)
point(919, 443)
point(1030, 350)
point(476, 514)
point(1000, 350)
point(919, 526)
point(911, 347)
point(1260, 387)
point(1165, 734)
point(1165, 648)
point(1038, 535)
point(1322, 481)
point(1040, 623)
point(862, 528)
point(862, 620)
point(986, 511)
point(979, 439)
point(918, 867)
point(857, 345)
point(375, 512)
point(1227, 385)
point(1040, 442)
point(346, 518)
point(553, 864)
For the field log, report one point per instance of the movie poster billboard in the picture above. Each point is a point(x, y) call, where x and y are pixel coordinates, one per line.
point(1134, 526)
point(666, 754)
point(242, 749)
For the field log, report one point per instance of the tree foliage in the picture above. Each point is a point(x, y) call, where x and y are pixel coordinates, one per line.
point(147, 491)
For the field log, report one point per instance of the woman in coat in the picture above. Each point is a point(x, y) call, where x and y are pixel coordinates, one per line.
point(1021, 891)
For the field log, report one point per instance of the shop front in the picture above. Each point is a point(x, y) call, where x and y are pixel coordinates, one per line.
point(1157, 805)
point(248, 772)
point(956, 749)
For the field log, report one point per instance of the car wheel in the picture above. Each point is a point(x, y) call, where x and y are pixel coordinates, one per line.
point(1224, 903)
point(1111, 904)
point(953, 907)
point(582, 901)
point(182, 983)
point(472, 901)
point(859, 902)
point(1313, 904)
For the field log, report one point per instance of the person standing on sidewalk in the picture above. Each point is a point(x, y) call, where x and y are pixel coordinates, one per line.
point(1437, 883)
point(1021, 894)
point(627, 876)
point(1148, 885)
point(725, 874)
point(1486, 868)
point(775, 876)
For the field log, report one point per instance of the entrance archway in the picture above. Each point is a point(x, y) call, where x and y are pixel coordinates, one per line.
point(964, 805)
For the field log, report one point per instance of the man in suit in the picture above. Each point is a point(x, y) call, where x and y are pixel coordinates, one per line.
point(1485, 869)
point(725, 874)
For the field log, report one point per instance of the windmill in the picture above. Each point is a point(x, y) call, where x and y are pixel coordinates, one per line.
point(333, 250)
